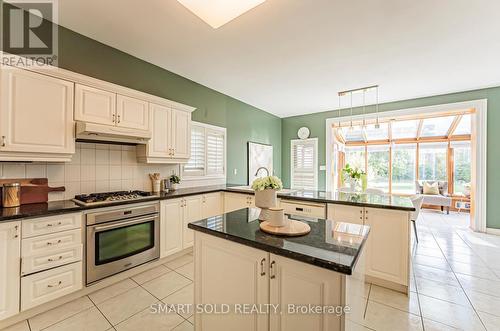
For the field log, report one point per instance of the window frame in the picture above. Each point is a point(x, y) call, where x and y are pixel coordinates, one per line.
point(204, 175)
point(315, 161)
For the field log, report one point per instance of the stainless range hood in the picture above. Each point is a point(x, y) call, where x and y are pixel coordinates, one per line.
point(104, 133)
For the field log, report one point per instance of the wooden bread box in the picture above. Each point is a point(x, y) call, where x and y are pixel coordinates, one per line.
point(33, 190)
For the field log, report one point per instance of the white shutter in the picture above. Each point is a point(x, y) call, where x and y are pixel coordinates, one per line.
point(196, 164)
point(304, 164)
point(215, 152)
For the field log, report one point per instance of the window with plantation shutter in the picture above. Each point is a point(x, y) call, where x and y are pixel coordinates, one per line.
point(215, 152)
point(196, 164)
point(208, 152)
point(304, 164)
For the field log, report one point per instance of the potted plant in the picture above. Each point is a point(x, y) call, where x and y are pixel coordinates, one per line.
point(354, 176)
point(266, 189)
point(174, 180)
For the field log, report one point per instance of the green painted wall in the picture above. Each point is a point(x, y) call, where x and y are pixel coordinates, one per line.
point(243, 122)
point(316, 123)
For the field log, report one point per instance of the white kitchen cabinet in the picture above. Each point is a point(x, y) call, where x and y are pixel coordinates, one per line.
point(171, 226)
point(235, 201)
point(160, 143)
point(49, 285)
point(213, 204)
point(293, 282)
point(222, 266)
point(345, 213)
point(181, 134)
point(388, 244)
point(192, 213)
point(175, 216)
point(94, 105)
point(387, 247)
point(36, 117)
point(171, 136)
point(132, 113)
point(10, 256)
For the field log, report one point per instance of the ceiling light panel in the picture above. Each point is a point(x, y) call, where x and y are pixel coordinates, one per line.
point(219, 12)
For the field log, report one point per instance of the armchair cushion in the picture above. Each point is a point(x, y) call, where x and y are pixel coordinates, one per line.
point(442, 185)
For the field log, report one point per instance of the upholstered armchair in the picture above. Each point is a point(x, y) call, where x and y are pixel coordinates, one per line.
point(442, 199)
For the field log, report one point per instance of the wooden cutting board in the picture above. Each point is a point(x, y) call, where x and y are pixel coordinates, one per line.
point(33, 190)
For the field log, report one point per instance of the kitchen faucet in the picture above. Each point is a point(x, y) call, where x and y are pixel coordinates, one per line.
point(257, 172)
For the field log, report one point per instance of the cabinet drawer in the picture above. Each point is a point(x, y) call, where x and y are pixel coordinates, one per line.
point(50, 285)
point(50, 242)
point(50, 259)
point(303, 209)
point(44, 225)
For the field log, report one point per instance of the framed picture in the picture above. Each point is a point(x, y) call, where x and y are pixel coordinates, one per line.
point(259, 155)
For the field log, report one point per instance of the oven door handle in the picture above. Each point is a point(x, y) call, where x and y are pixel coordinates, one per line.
point(122, 224)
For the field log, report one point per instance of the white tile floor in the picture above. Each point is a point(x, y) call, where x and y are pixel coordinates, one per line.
point(455, 284)
point(126, 305)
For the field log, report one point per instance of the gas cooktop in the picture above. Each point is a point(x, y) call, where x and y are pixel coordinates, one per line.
point(109, 197)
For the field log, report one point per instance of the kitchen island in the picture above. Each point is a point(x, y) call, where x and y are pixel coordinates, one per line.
point(246, 279)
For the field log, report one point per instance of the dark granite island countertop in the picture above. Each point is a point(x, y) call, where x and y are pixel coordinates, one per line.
point(331, 245)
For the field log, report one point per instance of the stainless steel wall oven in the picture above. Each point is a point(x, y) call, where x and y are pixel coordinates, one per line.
point(121, 238)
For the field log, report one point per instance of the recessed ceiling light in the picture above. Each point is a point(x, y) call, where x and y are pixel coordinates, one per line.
point(218, 12)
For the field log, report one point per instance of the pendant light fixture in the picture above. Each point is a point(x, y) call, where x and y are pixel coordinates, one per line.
point(351, 127)
point(377, 124)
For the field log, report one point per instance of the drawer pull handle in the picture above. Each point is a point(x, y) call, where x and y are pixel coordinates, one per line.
point(272, 273)
point(262, 270)
point(52, 224)
point(56, 285)
point(3, 141)
point(54, 243)
point(52, 260)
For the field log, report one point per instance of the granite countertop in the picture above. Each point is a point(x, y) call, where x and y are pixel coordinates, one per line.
point(385, 201)
point(331, 245)
point(68, 206)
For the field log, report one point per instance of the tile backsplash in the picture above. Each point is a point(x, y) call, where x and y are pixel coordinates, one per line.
point(94, 168)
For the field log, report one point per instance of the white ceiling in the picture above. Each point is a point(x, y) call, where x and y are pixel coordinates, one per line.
point(290, 57)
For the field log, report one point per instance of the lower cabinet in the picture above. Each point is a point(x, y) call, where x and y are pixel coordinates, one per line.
point(235, 201)
point(10, 256)
point(232, 274)
point(388, 245)
point(51, 284)
point(176, 214)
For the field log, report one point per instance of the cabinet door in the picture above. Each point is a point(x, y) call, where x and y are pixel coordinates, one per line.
point(230, 273)
point(36, 113)
point(192, 213)
point(387, 247)
point(94, 105)
point(171, 226)
point(213, 204)
point(132, 113)
point(293, 282)
point(10, 256)
point(344, 213)
point(235, 201)
point(181, 134)
point(160, 121)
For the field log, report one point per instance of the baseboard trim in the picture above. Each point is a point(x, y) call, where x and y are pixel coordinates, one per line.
point(387, 284)
point(493, 231)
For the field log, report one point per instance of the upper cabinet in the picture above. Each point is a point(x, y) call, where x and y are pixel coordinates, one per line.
point(107, 108)
point(132, 113)
point(94, 105)
point(171, 136)
point(36, 117)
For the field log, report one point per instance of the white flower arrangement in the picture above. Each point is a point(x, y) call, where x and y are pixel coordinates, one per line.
point(269, 182)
